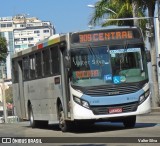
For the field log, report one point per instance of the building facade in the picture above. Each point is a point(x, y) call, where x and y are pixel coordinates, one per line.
point(6, 30)
point(22, 32)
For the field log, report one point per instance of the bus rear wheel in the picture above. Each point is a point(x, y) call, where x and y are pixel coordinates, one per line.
point(36, 123)
point(129, 122)
point(63, 124)
point(31, 118)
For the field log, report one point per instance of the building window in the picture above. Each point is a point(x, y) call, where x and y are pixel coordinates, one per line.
point(2, 34)
point(23, 39)
point(22, 25)
point(10, 35)
point(36, 31)
point(30, 45)
point(17, 39)
point(30, 39)
point(3, 25)
point(9, 25)
point(29, 25)
point(17, 46)
point(45, 31)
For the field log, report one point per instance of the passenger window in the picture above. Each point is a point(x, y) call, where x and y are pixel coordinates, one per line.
point(46, 62)
point(55, 59)
point(26, 68)
point(38, 65)
point(32, 66)
point(15, 71)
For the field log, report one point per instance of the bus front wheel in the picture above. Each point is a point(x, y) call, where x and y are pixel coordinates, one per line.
point(63, 124)
point(129, 122)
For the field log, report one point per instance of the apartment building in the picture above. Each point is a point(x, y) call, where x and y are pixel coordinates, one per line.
point(22, 32)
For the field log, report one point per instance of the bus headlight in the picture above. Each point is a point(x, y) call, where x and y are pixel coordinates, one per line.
point(81, 102)
point(144, 96)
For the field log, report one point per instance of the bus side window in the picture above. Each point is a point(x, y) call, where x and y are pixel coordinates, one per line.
point(46, 62)
point(25, 68)
point(15, 71)
point(32, 66)
point(38, 65)
point(55, 60)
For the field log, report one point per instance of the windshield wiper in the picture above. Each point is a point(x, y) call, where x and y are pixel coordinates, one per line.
point(91, 51)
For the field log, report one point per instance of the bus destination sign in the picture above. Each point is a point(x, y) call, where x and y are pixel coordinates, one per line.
point(103, 35)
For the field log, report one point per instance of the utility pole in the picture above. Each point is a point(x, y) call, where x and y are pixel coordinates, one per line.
point(157, 42)
point(3, 95)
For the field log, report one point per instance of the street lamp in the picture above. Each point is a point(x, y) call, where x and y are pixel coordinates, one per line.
point(93, 6)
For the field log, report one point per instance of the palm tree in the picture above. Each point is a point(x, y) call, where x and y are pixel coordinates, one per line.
point(3, 49)
point(135, 8)
point(123, 9)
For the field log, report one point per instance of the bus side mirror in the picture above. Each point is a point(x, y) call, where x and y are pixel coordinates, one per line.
point(148, 55)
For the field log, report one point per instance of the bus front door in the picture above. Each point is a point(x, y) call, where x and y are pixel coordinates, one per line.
point(21, 90)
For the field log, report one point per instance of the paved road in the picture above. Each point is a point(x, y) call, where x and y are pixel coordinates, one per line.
point(147, 126)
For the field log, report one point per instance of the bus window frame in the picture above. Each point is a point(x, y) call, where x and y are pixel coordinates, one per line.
point(27, 70)
point(48, 63)
point(52, 58)
point(39, 70)
point(32, 64)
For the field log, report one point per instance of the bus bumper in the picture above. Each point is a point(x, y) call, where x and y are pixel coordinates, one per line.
point(81, 113)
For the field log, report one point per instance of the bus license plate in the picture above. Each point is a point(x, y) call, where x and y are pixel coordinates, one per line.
point(115, 110)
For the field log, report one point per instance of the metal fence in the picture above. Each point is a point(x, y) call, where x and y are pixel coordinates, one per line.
point(11, 118)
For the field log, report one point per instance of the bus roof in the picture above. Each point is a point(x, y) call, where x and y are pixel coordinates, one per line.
point(41, 44)
point(108, 28)
point(62, 37)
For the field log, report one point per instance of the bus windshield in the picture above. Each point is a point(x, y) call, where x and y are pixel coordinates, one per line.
point(108, 65)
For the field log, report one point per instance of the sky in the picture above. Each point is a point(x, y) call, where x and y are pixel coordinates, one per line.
point(65, 15)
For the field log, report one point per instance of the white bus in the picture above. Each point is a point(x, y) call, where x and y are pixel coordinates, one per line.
point(85, 76)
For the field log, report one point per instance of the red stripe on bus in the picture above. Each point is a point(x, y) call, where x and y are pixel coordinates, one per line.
point(40, 46)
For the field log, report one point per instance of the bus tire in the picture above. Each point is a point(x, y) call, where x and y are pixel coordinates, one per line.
point(129, 122)
point(63, 124)
point(31, 118)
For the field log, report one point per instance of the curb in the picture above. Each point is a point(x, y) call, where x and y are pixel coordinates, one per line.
point(157, 109)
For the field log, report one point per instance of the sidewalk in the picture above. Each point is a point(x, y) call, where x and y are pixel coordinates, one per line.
point(156, 109)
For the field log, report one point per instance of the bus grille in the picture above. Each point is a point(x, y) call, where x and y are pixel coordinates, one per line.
point(113, 90)
point(102, 110)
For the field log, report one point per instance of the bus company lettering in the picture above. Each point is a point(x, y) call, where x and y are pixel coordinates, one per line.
point(104, 36)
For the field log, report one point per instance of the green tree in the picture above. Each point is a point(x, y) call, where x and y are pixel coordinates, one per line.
point(3, 49)
point(123, 9)
point(9, 95)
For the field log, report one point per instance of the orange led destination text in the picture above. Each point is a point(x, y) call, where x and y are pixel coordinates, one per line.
point(87, 74)
point(103, 36)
